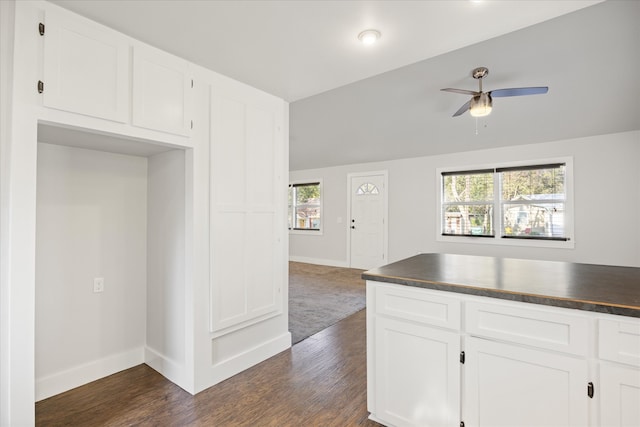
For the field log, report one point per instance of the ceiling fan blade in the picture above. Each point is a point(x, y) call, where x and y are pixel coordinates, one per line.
point(519, 91)
point(462, 91)
point(462, 109)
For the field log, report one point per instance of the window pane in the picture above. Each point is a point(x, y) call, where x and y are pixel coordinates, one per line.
point(535, 184)
point(476, 187)
point(367, 188)
point(307, 206)
point(542, 220)
point(468, 220)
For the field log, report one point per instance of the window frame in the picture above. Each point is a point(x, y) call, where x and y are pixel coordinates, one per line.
point(498, 238)
point(306, 231)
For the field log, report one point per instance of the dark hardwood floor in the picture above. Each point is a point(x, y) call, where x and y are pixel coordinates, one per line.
point(320, 381)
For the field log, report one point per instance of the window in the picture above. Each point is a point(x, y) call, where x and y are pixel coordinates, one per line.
point(526, 202)
point(305, 206)
point(367, 188)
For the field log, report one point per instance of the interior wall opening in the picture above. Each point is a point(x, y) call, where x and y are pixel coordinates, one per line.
point(110, 256)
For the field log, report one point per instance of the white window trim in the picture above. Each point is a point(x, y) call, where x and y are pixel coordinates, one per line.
point(497, 239)
point(310, 232)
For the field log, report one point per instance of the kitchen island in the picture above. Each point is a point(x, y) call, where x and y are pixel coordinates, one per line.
point(457, 339)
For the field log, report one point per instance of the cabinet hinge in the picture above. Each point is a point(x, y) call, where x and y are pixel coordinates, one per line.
point(41, 28)
point(191, 83)
point(462, 357)
point(590, 390)
point(40, 86)
point(191, 124)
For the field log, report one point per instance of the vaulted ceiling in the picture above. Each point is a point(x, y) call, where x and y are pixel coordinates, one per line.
point(354, 104)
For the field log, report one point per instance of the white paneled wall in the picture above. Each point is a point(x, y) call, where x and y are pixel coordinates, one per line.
point(246, 160)
point(176, 254)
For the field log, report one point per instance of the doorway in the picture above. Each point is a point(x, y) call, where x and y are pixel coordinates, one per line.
point(367, 219)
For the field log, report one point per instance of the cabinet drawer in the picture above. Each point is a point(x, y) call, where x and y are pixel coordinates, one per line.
point(619, 341)
point(418, 305)
point(545, 329)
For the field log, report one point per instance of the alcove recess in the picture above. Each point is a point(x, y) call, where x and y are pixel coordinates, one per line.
point(113, 208)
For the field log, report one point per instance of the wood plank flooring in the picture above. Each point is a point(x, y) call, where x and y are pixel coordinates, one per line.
point(319, 382)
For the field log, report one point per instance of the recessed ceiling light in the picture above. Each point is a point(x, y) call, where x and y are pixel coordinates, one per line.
point(369, 37)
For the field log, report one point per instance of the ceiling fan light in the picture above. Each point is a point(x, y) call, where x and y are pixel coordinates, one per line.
point(481, 105)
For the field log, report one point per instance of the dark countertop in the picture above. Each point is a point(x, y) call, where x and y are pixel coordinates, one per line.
point(600, 288)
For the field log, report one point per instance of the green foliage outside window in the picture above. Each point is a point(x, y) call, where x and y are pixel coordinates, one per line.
point(304, 206)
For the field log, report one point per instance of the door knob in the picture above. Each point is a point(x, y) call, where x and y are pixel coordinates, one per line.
point(353, 226)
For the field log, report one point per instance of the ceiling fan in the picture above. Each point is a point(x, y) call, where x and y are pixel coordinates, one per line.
point(481, 102)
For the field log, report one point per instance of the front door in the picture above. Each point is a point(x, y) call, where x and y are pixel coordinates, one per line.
point(367, 222)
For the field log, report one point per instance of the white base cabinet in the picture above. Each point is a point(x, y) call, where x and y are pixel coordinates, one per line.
point(507, 385)
point(620, 395)
point(441, 358)
point(417, 364)
point(619, 354)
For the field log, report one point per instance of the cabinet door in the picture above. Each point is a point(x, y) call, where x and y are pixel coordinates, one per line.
point(619, 395)
point(86, 67)
point(508, 385)
point(417, 371)
point(161, 91)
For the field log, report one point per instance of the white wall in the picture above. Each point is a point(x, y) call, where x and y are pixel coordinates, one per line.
point(166, 287)
point(91, 222)
point(606, 170)
point(7, 10)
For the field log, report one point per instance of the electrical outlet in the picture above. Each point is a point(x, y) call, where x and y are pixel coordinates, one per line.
point(98, 284)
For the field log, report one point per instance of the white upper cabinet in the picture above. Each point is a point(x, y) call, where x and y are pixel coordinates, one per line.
point(161, 91)
point(86, 67)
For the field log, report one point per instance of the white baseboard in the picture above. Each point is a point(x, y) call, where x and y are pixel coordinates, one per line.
point(66, 380)
point(232, 366)
point(168, 368)
point(319, 261)
point(71, 378)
